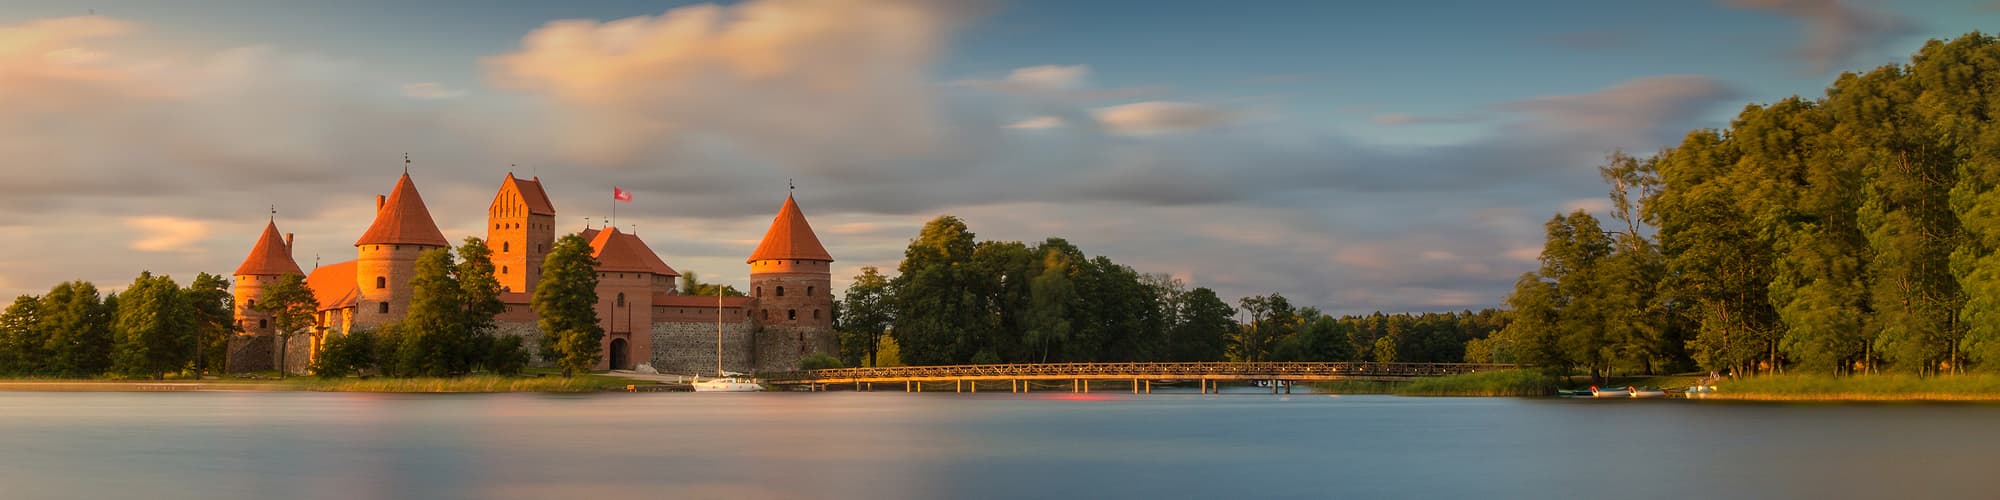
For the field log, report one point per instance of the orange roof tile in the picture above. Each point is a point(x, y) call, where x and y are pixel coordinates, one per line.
point(661, 299)
point(333, 285)
point(617, 251)
point(531, 194)
point(790, 238)
point(270, 257)
point(403, 220)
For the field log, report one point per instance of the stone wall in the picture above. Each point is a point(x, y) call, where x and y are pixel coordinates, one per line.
point(531, 338)
point(780, 348)
point(298, 355)
point(688, 348)
point(251, 353)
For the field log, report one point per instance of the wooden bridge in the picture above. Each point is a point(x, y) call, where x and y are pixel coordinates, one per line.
point(1210, 375)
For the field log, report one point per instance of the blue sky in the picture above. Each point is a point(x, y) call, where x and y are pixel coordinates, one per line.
point(1358, 156)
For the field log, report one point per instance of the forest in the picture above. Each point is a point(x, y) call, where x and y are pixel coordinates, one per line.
point(956, 300)
point(1846, 234)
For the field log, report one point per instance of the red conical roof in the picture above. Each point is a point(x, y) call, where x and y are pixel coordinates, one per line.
point(790, 238)
point(403, 220)
point(620, 252)
point(270, 257)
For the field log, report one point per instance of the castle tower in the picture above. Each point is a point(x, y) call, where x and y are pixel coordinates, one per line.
point(520, 229)
point(791, 278)
point(388, 252)
point(268, 261)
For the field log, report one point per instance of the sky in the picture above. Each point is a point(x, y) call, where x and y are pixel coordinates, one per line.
point(1353, 156)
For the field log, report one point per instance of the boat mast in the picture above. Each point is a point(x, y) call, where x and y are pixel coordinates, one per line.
point(718, 330)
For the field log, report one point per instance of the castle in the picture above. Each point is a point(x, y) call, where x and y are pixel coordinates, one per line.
point(787, 317)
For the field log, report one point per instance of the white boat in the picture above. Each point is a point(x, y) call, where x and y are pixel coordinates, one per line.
point(1642, 392)
point(724, 381)
point(726, 384)
point(1610, 392)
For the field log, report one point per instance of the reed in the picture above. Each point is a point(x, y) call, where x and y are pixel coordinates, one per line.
point(1488, 383)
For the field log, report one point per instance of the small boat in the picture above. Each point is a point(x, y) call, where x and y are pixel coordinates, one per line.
point(726, 384)
point(1573, 393)
point(1646, 392)
point(724, 381)
point(1698, 391)
point(1610, 392)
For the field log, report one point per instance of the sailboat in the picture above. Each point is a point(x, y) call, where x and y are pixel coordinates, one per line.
point(724, 381)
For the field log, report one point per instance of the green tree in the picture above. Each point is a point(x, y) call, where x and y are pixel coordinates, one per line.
point(154, 331)
point(566, 299)
point(436, 339)
point(691, 285)
point(866, 311)
point(291, 305)
point(77, 328)
point(348, 354)
point(21, 337)
point(1204, 327)
point(933, 300)
point(214, 320)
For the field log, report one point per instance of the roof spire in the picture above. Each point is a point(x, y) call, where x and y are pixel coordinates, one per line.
point(406, 164)
point(274, 213)
point(789, 186)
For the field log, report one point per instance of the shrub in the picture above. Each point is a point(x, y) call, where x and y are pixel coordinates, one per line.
point(344, 355)
point(819, 362)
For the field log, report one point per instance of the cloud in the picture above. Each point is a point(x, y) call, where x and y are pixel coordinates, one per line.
point(1401, 119)
point(1160, 117)
point(1039, 122)
point(1050, 77)
point(166, 234)
point(430, 90)
point(1835, 30)
point(1630, 108)
point(801, 81)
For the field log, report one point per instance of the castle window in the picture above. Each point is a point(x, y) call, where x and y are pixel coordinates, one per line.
point(496, 226)
point(760, 291)
point(253, 303)
point(767, 314)
point(621, 299)
point(263, 323)
point(809, 291)
point(815, 314)
point(503, 269)
point(381, 282)
point(382, 308)
point(506, 247)
point(791, 314)
point(781, 291)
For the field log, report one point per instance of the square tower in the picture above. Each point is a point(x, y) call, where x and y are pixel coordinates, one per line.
point(520, 229)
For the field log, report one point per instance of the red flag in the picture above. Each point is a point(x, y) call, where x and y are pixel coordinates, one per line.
point(621, 195)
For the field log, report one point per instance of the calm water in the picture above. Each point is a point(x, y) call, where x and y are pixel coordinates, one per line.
point(1053, 445)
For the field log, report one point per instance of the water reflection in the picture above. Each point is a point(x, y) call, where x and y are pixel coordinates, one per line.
point(895, 445)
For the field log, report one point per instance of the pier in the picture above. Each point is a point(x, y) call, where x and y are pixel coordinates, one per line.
point(1076, 377)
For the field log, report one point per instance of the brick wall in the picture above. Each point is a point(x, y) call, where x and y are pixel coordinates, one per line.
point(689, 347)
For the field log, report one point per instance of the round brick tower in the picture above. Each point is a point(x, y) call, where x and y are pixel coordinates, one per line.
point(269, 260)
point(791, 278)
point(388, 252)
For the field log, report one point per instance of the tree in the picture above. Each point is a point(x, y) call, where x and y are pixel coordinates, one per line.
point(866, 311)
point(348, 354)
point(690, 285)
point(933, 300)
point(1203, 328)
point(291, 305)
point(21, 336)
point(436, 339)
point(154, 331)
point(214, 320)
point(77, 327)
point(566, 299)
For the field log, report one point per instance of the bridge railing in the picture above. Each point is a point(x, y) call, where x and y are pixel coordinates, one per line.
point(1146, 369)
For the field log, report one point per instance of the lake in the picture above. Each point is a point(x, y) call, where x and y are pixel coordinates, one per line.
point(1044, 445)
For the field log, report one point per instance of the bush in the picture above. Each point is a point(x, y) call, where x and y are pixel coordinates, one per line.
point(504, 355)
point(819, 362)
point(344, 355)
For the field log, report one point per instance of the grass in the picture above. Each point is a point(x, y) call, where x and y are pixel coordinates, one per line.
point(1881, 387)
point(472, 383)
point(1489, 383)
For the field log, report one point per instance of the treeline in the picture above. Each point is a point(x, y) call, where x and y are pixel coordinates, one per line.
point(1845, 234)
point(153, 329)
point(1279, 331)
point(956, 300)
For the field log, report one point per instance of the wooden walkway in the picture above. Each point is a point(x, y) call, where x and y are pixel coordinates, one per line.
point(1141, 375)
